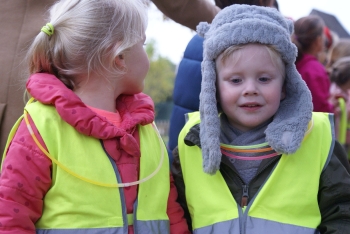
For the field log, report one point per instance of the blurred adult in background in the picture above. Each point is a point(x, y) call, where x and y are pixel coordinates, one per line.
point(187, 12)
point(309, 38)
point(188, 79)
point(21, 20)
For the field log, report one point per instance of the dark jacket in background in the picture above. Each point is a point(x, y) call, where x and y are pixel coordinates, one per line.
point(186, 89)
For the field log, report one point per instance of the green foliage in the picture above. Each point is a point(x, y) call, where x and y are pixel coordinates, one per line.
point(159, 83)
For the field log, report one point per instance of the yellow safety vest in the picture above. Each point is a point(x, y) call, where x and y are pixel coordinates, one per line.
point(75, 206)
point(277, 207)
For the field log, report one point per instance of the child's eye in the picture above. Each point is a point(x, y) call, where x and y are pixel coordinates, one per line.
point(236, 80)
point(264, 79)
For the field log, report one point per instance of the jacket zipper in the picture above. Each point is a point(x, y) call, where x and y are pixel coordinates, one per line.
point(245, 187)
point(245, 196)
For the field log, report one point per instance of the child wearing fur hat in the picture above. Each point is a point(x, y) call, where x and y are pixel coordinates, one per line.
point(255, 158)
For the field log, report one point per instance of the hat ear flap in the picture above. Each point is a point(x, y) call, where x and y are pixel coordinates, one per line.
point(287, 130)
point(210, 122)
point(202, 28)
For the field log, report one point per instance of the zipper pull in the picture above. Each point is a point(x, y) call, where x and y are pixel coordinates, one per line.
point(245, 196)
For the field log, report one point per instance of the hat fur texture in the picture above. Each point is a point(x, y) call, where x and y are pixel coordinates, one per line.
point(243, 24)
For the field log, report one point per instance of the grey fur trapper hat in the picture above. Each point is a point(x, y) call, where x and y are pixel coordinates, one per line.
point(242, 24)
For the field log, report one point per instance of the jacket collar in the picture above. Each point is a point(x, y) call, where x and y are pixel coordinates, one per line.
point(134, 109)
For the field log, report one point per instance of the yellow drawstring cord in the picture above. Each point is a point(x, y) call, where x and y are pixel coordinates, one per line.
point(63, 167)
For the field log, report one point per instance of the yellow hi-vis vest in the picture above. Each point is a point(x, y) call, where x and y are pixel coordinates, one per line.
point(74, 206)
point(286, 203)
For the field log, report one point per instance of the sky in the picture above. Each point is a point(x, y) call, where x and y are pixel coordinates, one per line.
point(171, 38)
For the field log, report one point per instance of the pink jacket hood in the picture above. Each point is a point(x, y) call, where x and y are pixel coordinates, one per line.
point(134, 109)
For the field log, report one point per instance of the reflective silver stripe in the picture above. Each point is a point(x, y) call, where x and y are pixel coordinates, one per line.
point(152, 226)
point(254, 226)
point(231, 226)
point(257, 226)
point(121, 192)
point(81, 231)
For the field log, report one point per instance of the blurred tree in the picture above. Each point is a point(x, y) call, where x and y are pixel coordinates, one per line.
point(159, 83)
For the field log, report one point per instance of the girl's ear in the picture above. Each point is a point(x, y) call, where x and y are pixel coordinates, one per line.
point(120, 61)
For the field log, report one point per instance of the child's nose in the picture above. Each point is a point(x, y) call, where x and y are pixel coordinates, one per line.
point(250, 88)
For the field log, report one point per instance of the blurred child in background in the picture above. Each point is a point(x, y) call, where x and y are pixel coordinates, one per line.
point(309, 38)
point(340, 49)
point(340, 75)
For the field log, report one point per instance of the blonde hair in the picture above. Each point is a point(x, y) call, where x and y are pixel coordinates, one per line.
point(88, 36)
point(274, 55)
